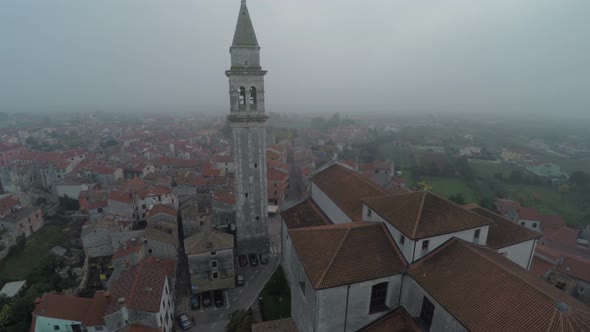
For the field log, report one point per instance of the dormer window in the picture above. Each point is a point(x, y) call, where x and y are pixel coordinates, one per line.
point(369, 212)
point(476, 236)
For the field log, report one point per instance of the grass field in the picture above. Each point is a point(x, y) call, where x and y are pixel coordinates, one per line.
point(449, 186)
point(487, 169)
point(18, 266)
point(276, 297)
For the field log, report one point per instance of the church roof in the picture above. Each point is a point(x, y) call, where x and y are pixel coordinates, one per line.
point(503, 232)
point(346, 188)
point(244, 35)
point(496, 294)
point(424, 214)
point(347, 253)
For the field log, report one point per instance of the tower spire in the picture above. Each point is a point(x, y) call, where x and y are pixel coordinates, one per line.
point(244, 34)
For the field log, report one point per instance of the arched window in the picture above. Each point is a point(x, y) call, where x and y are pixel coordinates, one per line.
point(252, 95)
point(242, 97)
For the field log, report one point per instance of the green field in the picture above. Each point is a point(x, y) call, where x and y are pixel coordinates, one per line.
point(275, 302)
point(20, 264)
point(449, 186)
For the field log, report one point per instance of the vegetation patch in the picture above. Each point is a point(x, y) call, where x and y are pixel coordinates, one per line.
point(275, 297)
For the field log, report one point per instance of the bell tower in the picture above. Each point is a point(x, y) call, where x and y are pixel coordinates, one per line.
point(247, 119)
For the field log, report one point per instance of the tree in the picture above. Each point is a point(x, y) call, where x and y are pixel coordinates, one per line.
point(457, 198)
point(580, 178)
point(563, 190)
point(240, 321)
point(424, 186)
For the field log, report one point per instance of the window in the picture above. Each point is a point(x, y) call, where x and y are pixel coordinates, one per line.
point(402, 239)
point(242, 97)
point(214, 264)
point(213, 253)
point(369, 212)
point(581, 290)
point(257, 218)
point(378, 297)
point(476, 236)
point(255, 165)
point(149, 251)
point(534, 225)
point(201, 223)
point(522, 223)
point(215, 275)
point(275, 185)
point(275, 193)
point(56, 327)
point(425, 244)
point(427, 312)
point(302, 287)
point(246, 195)
point(253, 96)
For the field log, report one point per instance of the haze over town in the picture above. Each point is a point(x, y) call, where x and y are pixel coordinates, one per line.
point(375, 56)
point(377, 166)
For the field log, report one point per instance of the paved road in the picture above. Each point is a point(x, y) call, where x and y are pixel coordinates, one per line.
point(215, 319)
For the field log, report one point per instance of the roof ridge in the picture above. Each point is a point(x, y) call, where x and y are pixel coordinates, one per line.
point(321, 279)
point(367, 181)
point(419, 215)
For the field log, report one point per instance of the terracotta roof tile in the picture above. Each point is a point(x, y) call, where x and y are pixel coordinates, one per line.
point(346, 188)
point(503, 232)
point(340, 254)
point(508, 297)
point(120, 196)
point(565, 236)
point(207, 241)
point(551, 222)
point(141, 286)
point(397, 321)
point(424, 214)
point(305, 214)
point(528, 213)
point(159, 208)
point(88, 311)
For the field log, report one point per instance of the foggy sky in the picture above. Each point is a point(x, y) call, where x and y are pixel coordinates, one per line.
point(322, 55)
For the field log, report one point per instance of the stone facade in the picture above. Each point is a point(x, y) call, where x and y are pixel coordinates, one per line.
point(248, 122)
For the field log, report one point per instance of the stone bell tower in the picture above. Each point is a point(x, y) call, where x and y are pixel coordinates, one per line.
point(247, 119)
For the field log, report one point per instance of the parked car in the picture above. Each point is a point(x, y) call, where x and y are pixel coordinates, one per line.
point(195, 302)
point(184, 322)
point(240, 280)
point(218, 298)
point(206, 298)
point(263, 258)
point(243, 260)
point(253, 259)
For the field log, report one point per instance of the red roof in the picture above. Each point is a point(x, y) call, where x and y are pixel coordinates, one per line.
point(276, 175)
point(7, 203)
point(528, 213)
point(142, 285)
point(551, 222)
point(159, 208)
point(120, 196)
point(224, 197)
point(127, 248)
point(97, 204)
point(88, 311)
point(210, 172)
point(223, 159)
point(506, 205)
point(565, 236)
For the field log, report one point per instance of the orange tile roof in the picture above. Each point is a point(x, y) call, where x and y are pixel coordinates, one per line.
point(503, 232)
point(346, 188)
point(341, 254)
point(276, 175)
point(88, 311)
point(540, 266)
point(120, 196)
point(528, 213)
point(128, 248)
point(565, 236)
point(397, 321)
point(496, 294)
point(424, 214)
point(142, 285)
point(305, 214)
point(159, 208)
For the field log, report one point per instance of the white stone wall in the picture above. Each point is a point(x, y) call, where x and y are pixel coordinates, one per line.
point(328, 206)
point(411, 299)
point(436, 241)
point(535, 225)
point(407, 249)
point(520, 253)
